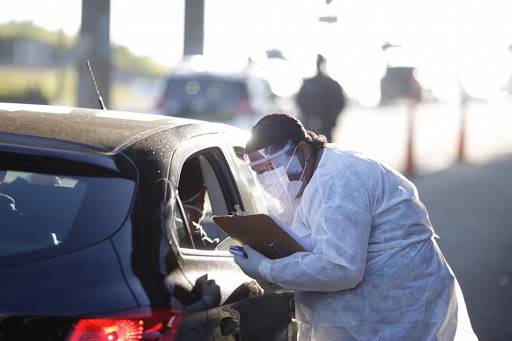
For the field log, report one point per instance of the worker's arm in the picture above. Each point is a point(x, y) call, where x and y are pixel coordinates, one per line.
point(339, 214)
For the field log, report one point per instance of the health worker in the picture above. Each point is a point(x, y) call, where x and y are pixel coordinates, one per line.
point(374, 270)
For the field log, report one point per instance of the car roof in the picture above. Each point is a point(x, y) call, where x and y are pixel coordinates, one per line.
point(95, 129)
point(224, 76)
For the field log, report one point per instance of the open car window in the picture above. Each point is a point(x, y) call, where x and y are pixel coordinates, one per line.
point(203, 193)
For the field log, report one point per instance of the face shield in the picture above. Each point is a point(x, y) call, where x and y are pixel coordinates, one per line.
point(281, 174)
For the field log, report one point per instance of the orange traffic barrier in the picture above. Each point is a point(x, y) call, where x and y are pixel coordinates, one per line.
point(409, 152)
point(461, 148)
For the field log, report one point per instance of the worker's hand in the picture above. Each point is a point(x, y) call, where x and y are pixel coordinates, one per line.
point(250, 264)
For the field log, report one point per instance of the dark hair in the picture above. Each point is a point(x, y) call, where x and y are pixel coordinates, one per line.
point(277, 129)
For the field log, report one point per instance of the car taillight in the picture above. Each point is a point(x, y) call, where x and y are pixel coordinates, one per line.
point(161, 103)
point(107, 330)
point(160, 326)
point(243, 108)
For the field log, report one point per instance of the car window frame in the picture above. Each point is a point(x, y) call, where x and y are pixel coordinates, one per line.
point(192, 147)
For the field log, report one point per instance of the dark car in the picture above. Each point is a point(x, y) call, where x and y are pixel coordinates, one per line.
point(399, 82)
point(239, 99)
point(96, 243)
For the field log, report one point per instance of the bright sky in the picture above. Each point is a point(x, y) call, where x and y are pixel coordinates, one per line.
point(152, 27)
point(440, 35)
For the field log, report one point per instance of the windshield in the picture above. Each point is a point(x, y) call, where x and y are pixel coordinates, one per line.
point(40, 210)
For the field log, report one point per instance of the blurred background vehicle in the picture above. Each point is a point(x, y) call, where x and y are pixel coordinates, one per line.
point(399, 82)
point(237, 98)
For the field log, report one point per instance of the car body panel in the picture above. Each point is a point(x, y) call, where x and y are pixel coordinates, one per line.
point(102, 129)
point(64, 285)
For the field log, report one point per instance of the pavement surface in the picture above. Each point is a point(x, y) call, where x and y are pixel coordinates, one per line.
point(470, 207)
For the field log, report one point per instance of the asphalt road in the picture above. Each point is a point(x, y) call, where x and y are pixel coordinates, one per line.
point(471, 209)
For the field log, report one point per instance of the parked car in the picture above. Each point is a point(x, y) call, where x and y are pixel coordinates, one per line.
point(239, 99)
point(97, 244)
point(400, 83)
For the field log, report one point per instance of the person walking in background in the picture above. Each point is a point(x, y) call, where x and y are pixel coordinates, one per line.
point(321, 99)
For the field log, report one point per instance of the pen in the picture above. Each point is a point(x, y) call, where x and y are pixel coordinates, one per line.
point(237, 250)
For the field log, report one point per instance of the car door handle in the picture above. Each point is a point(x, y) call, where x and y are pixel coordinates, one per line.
point(229, 326)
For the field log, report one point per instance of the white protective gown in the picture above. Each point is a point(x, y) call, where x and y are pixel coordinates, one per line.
point(375, 271)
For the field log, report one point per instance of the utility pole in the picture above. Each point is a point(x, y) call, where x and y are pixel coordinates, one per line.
point(194, 27)
point(94, 44)
point(61, 67)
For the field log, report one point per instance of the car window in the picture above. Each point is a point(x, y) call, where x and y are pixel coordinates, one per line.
point(39, 210)
point(203, 194)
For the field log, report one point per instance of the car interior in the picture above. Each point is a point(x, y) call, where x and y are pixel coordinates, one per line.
point(202, 196)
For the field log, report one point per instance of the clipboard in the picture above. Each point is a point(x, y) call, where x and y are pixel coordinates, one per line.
point(260, 232)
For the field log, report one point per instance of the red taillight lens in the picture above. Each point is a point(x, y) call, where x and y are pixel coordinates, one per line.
point(162, 325)
point(161, 103)
point(107, 330)
point(243, 108)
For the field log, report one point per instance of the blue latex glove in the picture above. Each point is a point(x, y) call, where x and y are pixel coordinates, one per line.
point(250, 264)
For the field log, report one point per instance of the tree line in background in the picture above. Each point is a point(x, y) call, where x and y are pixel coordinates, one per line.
point(39, 66)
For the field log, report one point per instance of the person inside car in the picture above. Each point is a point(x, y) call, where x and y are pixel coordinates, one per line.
point(375, 271)
point(192, 192)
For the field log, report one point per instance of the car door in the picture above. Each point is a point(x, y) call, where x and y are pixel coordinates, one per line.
point(244, 312)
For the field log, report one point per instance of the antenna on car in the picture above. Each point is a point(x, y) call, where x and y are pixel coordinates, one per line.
point(100, 99)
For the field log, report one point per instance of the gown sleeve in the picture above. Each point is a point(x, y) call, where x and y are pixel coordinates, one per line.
point(338, 212)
